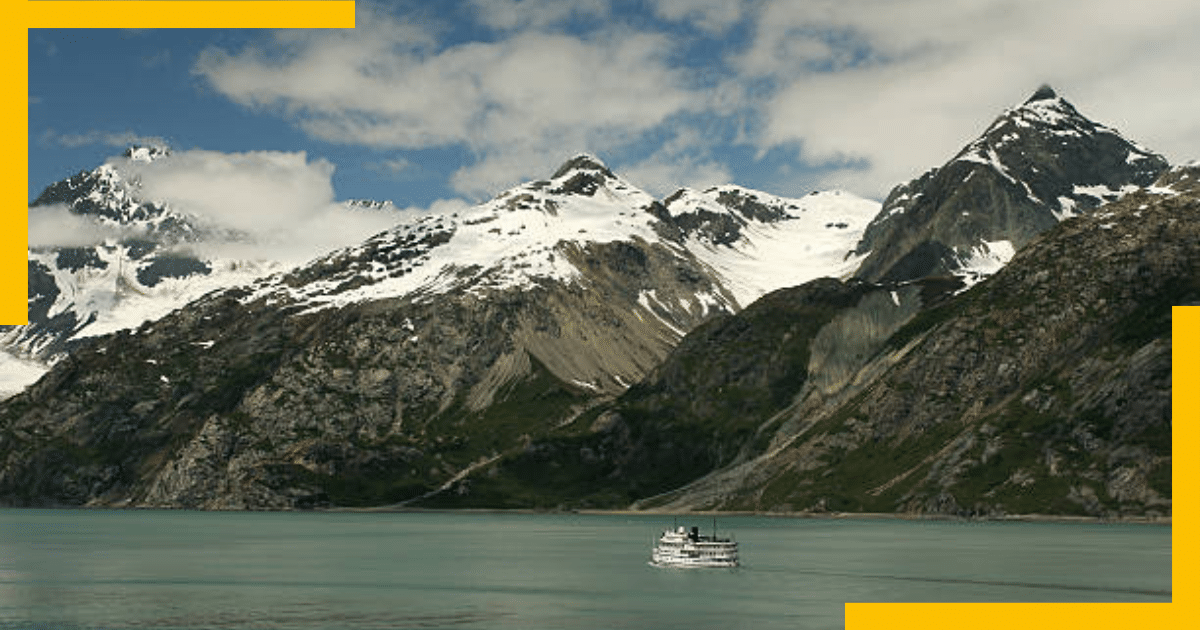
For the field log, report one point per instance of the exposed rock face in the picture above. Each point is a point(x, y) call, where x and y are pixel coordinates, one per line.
point(716, 401)
point(1035, 165)
point(1046, 389)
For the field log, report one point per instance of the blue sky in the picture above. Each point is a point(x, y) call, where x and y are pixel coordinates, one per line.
point(427, 104)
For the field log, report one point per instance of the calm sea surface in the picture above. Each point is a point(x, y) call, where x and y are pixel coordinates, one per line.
point(78, 569)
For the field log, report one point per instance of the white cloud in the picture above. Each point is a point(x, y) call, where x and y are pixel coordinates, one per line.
point(537, 14)
point(442, 206)
point(865, 93)
point(106, 138)
point(911, 82)
point(284, 201)
point(54, 225)
point(268, 205)
point(259, 191)
point(711, 16)
point(660, 175)
point(393, 166)
point(532, 93)
point(683, 161)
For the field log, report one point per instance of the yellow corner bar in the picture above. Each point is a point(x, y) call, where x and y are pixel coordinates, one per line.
point(1185, 408)
point(27, 14)
point(1009, 616)
point(190, 14)
point(14, 167)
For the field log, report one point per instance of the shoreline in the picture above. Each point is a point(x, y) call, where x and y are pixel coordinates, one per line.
point(1027, 518)
point(394, 509)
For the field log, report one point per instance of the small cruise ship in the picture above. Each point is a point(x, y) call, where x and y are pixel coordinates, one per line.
point(683, 548)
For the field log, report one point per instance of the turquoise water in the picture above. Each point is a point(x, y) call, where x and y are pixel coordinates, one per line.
point(80, 569)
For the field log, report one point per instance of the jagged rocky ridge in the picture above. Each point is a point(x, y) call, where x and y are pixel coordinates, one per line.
point(382, 372)
point(1035, 165)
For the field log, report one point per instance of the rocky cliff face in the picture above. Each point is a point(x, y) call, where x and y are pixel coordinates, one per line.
point(1044, 389)
point(1035, 165)
point(229, 404)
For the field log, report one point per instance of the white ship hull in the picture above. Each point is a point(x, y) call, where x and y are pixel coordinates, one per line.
point(685, 549)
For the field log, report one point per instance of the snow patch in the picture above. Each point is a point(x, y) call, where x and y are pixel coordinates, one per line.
point(17, 373)
point(1066, 209)
point(770, 256)
point(647, 299)
point(114, 299)
point(984, 260)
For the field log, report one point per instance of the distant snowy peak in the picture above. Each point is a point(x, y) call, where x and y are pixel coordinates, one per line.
point(751, 205)
point(102, 193)
point(370, 205)
point(582, 184)
point(1037, 164)
point(147, 153)
point(743, 203)
point(583, 163)
point(108, 196)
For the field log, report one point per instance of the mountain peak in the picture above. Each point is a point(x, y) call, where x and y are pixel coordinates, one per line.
point(1043, 93)
point(1035, 165)
point(583, 162)
point(146, 153)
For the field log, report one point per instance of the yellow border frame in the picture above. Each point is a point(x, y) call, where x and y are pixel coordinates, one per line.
point(1185, 400)
point(340, 14)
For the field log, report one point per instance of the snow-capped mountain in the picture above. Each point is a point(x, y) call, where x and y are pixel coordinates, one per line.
point(435, 345)
point(576, 343)
point(1035, 165)
point(585, 235)
point(530, 235)
point(147, 260)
